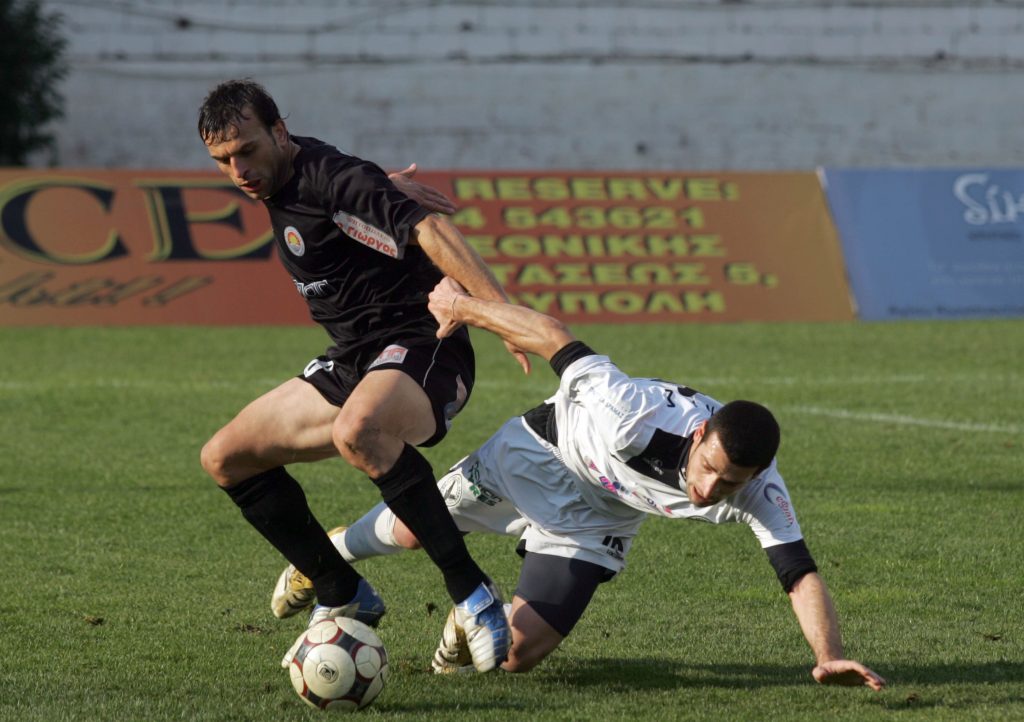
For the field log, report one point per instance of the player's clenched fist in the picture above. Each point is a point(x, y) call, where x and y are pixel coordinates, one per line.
point(442, 301)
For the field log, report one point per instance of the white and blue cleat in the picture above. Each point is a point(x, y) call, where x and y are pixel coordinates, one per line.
point(482, 618)
point(366, 607)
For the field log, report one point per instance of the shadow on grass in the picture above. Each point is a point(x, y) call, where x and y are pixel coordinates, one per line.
point(652, 674)
point(912, 687)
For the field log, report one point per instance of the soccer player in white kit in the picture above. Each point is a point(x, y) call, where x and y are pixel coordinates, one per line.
point(575, 477)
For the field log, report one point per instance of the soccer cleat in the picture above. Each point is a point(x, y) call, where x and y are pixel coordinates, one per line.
point(452, 655)
point(294, 590)
point(366, 607)
point(292, 593)
point(482, 616)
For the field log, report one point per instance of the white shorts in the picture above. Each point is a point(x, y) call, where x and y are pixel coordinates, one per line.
point(515, 484)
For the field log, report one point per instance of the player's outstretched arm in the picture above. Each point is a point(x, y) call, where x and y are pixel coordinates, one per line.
point(430, 198)
point(450, 252)
point(813, 607)
point(519, 326)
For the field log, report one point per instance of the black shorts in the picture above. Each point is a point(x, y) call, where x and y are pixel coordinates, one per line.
point(445, 369)
point(557, 588)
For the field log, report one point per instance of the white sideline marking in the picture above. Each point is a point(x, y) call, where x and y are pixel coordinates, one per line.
point(932, 379)
point(159, 385)
point(905, 420)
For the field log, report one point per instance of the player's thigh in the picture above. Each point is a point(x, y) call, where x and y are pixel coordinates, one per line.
point(389, 403)
point(287, 424)
point(476, 503)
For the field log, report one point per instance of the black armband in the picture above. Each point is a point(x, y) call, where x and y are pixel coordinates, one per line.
point(572, 351)
point(791, 561)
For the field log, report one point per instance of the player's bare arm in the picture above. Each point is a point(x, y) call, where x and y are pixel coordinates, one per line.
point(450, 252)
point(813, 607)
point(522, 327)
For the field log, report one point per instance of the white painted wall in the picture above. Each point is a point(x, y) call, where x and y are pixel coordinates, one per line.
point(573, 84)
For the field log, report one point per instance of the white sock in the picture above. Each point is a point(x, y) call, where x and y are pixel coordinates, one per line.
point(372, 535)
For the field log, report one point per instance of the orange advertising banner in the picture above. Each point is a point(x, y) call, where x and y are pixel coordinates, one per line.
point(155, 247)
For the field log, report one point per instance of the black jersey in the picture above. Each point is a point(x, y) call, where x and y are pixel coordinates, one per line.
point(342, 231)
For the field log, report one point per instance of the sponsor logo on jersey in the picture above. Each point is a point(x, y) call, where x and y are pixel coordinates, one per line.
point(614, 547)
point(619, 489)
point(370, 236)
point(293, 240)
point(313, 289)
point(393, 354)
point(479, 491)
point(613, 408)
point(774, 494)
point(317, 364)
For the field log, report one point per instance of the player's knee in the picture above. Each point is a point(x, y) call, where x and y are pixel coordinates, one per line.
point(215, 461)
point(403, 537)
point(522, 657)
point(357, 439)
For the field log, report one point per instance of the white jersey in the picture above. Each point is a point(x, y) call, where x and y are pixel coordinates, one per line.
point(624, 438)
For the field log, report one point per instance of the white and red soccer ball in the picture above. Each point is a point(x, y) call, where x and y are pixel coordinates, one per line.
point(340, 664)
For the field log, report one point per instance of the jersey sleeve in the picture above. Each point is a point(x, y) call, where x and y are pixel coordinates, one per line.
point(359, 197)
point(625, 410)
point(765, 506)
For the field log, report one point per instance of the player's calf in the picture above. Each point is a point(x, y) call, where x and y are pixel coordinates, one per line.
point(294, 590)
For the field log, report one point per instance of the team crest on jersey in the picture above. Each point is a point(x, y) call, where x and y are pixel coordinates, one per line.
point(393, 354)
point(293, 239)
point(452, 488)
point(370, 236)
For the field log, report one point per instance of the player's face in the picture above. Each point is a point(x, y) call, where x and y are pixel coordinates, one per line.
point(255, 158)
point(710, 476)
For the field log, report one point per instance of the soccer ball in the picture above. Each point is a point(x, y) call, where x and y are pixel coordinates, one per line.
point(340, 664)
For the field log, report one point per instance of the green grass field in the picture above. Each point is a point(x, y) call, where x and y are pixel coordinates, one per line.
point(133, 589)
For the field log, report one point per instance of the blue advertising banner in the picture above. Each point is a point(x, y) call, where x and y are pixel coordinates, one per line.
point(931, 243)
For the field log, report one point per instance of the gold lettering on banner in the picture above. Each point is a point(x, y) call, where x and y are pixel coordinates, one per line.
point(469, 217)
point(538, 301)
point(177, 290)
point(597, 246)
point(622, 303)
point(602, 274)
point(37, 290)
point(596, 218)
point(586, 188)
point(16, 236)
point(172, 223)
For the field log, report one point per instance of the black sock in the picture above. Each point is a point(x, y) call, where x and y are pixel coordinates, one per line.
point(411, 492)
point(274, 503)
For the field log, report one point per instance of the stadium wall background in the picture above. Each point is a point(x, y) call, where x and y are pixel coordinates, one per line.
point(559, 84)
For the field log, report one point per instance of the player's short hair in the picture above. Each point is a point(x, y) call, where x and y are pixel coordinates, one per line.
point(224, 105)
point(747, 431)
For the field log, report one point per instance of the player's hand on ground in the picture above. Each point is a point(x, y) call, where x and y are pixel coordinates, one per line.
point(430, 198)
point(441, 303)
point(848, 673)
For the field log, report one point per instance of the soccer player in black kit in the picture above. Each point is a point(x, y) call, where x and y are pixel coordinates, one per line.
point(364, 256)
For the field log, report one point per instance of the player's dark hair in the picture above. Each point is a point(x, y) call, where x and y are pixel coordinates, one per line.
point(223, 107)
point(747, 431)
